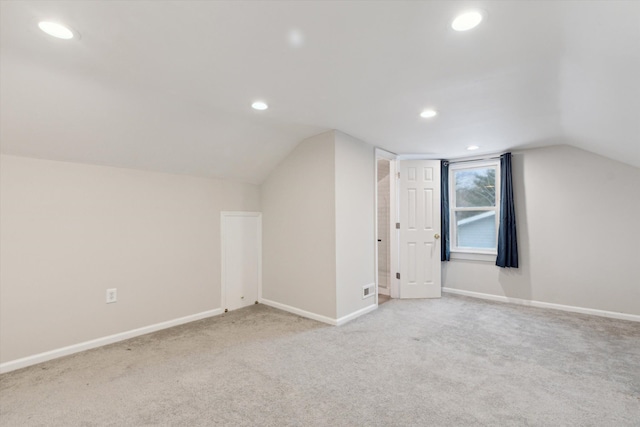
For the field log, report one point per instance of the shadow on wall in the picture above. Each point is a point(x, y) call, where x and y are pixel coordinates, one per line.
point(516, 282)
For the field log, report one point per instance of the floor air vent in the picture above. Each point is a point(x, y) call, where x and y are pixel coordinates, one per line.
point(367, 290)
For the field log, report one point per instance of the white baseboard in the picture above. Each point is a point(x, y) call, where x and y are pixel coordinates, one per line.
point(355, 314)
point(540, 304)
point(299, 312)
point(12, 365)
point(319, 317)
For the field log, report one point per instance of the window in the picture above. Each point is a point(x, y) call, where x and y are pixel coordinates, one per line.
point(474, 206)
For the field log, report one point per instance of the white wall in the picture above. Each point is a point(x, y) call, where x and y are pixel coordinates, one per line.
point(318, 227)
point(579, 234)
point(355, 210)
point(298, 222)
point(70, 231)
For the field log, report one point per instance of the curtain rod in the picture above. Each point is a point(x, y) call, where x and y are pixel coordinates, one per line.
point(479, 159)
point(473, 160)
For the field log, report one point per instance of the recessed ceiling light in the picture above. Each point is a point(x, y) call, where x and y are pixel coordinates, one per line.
point(467, 20)
point(56, 30)
point(472, 147)
point(259, 105)
point(296, 38)
point(427, 114)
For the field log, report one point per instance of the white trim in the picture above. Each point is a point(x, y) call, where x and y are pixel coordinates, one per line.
point(453, 224)
point(319, 317)
point(299, 312)
point(473, 256)
point(376, 277)
point(394, 233)
point(385, 154)
point(12, 365)
point(349, 317)
point(540, 304)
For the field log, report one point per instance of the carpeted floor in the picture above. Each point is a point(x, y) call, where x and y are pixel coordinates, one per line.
point(383, 298)
point(451, 362)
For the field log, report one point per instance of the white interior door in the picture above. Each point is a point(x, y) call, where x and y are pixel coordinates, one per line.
point(420, 275)
point(241, 258)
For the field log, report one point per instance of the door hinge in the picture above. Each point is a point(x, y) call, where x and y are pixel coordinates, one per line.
point(398, 225)
point(398, 175)
point(398, 276)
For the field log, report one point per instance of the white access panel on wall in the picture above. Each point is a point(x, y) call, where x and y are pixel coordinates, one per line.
point(241, 258)
point(420, 275)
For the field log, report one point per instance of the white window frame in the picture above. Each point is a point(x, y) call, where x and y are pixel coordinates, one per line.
point(467, 253)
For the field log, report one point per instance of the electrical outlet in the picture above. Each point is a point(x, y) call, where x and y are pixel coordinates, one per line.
point(112, 295)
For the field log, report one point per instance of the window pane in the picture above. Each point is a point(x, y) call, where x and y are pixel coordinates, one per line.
point(476, 229)
point(475, 188)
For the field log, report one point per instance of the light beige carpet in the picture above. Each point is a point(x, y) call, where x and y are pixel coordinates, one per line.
point(450, 362)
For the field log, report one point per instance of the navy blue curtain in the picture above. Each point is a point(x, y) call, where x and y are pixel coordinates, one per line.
point(445, 248)
point(507, 236)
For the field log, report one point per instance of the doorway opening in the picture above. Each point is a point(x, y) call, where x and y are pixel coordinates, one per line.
point(384, 219)
point(386, 234)
point(407, 229)
point(241, 259)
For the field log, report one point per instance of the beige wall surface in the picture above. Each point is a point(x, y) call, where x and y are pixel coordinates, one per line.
point(298, 222)
point(578, 234)
point(70, 231)
point(355, 210)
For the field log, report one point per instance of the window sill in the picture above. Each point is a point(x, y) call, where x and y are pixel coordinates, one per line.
point(474, 256)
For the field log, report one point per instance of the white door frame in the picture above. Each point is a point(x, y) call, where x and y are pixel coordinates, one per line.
point(223, 281)
point(393, 218)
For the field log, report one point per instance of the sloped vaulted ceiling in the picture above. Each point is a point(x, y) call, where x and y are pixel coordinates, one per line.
point(167, 86)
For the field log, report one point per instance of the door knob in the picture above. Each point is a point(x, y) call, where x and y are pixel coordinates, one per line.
point(437, 236)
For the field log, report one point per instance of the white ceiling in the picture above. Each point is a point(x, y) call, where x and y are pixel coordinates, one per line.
point(167, 86)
